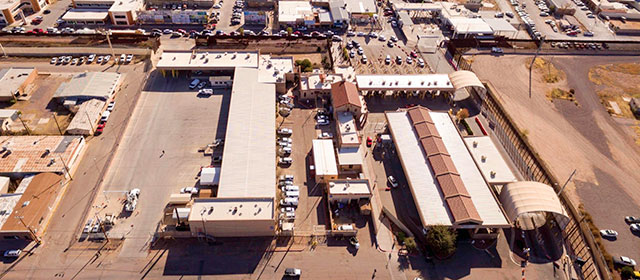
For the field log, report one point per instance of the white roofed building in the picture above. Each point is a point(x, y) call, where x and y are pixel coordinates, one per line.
point(446, 184)
point(324, 158)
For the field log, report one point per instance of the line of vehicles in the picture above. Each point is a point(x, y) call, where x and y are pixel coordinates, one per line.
point(98, 59)
point(634, 226)
point(285, 144)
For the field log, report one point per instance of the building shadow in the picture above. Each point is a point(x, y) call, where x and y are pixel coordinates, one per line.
point(459, 266)
point(225, 256)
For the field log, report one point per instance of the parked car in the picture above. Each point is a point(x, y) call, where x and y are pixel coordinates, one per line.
point(217, 159)
point(369, 141)
point(398, 60)
point(12, 253)
point(54, 60)
point(387, 60)
point(635, 227)
point(292, 272)
point(123, 57)
point(497, 50)
point(609, 233)
point(325, 135)
point(421, 62)
point(191, 190)
point(323, 122)
point(392, 181)
point(632, 219)
point(99, 129)
point(285, 160)
point(624, 261)
point(129, 58)
point(285, 131)
point(111, 105)
point(194, 83)
point(105, 116)
point(289, 201)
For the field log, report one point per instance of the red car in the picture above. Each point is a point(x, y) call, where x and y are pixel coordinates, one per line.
point(369, 141)
point(99, 129)
point(182, 31)
point(413, 54)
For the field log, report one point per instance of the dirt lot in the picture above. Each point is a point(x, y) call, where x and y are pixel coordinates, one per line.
point(569, 137)
point(38, 110)
point(617, 83)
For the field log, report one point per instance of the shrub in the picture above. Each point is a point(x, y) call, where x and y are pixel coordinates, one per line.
point(410, 244)
point(441, 240)
point(400, 235)
point(289, 31)
point(467, 127)
point(626, 272)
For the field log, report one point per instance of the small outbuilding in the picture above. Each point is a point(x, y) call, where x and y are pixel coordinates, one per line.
point(210, 176)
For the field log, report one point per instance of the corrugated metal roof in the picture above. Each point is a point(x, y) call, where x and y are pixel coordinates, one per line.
point(248, 168)
point(99, 85)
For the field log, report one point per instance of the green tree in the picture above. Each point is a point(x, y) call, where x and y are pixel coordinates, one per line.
point(626, 272)
point(289, 31)
point(410, 244)
point(441, 240)
point(241, 31)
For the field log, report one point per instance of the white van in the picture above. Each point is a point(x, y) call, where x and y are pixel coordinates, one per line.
point(295, 194)
point(289, 201)
point(194, 83)
point(290, 188)
point(288, 215)
point(345, 227)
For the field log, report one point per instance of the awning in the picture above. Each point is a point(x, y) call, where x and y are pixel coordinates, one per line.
point(526, 204)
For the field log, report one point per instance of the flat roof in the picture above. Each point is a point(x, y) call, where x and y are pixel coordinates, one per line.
point(347, 128)
point(404, 6)
point(207, 60)
point(100, 85)
point(314, 81)
point(232, 209)
point(78, 15)
point(248, 168)
point(404, 82)
point(210, 176)
point(12, 78)
point(338, 12)
point(429, 201)
point(349, 187)
point(324, 157)
point(35, 203)
point(273, 69)
point(87, 115)
point(350, 156)
point(292, 11)
point(361, 6)
point(28, 154)
point(489, 159)
point(126, 5)
point(465, 25)
point(7, 113)
point(500, 25)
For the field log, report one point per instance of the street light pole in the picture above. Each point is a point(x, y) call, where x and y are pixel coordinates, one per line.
point(33, 234)
point(532, 61)
point(567, 182)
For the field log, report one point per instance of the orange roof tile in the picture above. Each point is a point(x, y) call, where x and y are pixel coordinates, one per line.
point(343, 93)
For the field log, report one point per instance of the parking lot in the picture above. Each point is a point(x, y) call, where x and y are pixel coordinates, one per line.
point(159, 155)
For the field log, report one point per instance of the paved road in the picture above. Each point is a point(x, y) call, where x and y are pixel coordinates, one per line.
point(57, 51)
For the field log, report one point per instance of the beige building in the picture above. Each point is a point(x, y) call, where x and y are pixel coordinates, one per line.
point(317, 85)
point(14, 10)
point(345, 191)
point(7, 117)
point(232, 217)
point(346, 127)
point(16, 82)
point(120, 12)
point(324, 158)
point(245, 200)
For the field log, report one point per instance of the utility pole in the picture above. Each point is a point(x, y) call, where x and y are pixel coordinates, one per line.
point(33, 234)
point(66, 168)
point(533, 61)
point(567, 182)
point(3, 51)
point(57, 124)
point(89, 120)
point(24, 124)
